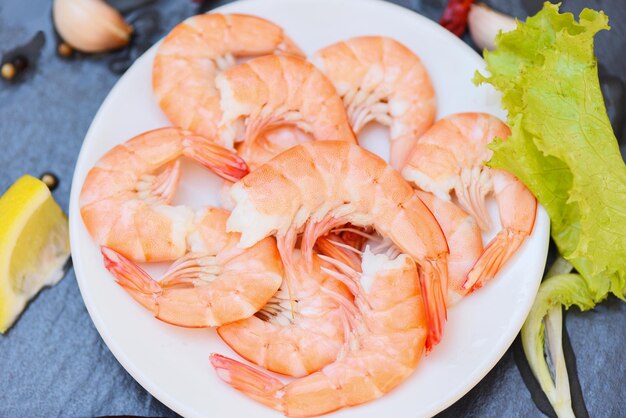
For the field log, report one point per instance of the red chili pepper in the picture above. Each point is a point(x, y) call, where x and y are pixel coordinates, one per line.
point(454, 17)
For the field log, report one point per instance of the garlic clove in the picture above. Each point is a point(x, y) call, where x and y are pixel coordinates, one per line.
point(90, 25)
point(485, 23)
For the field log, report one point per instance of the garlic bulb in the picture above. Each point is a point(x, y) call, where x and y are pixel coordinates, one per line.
point(484, 24)
point(90, 25)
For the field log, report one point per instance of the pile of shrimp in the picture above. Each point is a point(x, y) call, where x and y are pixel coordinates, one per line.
point(326, 263)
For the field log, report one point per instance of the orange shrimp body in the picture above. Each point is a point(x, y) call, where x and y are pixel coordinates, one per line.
point(125, 200)
point(464, 240)
point(214, 284)
point(299, 343)
point(385, 344)
point(271, 92)
point(196, 51)
point(381, 80)
point(450, 157)
point(317, 186)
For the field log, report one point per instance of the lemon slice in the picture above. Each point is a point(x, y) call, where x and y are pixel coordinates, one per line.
point(34, 245)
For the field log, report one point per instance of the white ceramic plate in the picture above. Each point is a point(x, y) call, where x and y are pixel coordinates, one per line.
point(172, 363)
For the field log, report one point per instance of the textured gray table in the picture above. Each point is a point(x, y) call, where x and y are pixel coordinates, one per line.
point(54, 363)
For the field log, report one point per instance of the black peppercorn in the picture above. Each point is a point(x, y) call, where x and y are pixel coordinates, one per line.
point(50, 180)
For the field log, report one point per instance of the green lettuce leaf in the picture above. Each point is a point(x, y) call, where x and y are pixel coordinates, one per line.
point(563, 148)
point(562, 145)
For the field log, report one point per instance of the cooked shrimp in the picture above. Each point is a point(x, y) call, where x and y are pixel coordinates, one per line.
point(464, 240)
point(381, 80)
point(271, 143)
point(384, 346)
point(198, 49)
point(320, 185)
point(270, 92)
point(125, 200)
point(214, 284)
point(451, 156)
point(299, 344)
point(266, 147)
point(461, 232)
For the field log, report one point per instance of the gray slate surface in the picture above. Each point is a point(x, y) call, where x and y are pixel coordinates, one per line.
point(54, 363)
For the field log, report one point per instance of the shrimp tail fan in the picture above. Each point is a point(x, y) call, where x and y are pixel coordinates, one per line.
point(255, 384)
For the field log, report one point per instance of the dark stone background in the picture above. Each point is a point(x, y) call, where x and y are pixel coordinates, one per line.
point(53, 362)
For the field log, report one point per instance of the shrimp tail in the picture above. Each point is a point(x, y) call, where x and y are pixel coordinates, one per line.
point(222, 161)
point(254, 383)
point(496, 254)
point(132, 278)
point(431, 274)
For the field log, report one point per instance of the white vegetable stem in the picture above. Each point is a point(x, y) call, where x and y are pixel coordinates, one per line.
point(560, 288)
point(562, 402)
point(485, 23)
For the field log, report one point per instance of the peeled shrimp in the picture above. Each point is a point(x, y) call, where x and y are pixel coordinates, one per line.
point(461, 232)
point(381, 80)
point(317, 186)
point(271, 92)
point(464, 240)
point(451, 156)
point(216, 283)
point(269, 144)
point(198, 49)
point(125, 200)
point(384, 346)
point(298, 344)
